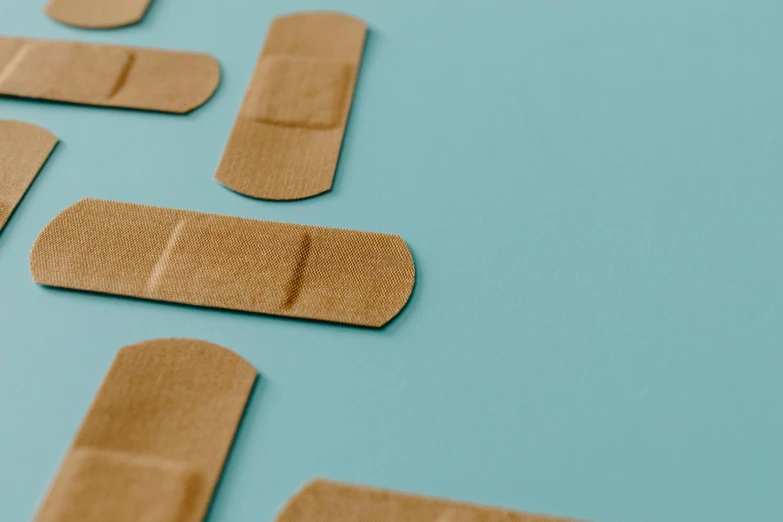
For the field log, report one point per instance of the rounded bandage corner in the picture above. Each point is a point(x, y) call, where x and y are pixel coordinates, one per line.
point(24, 149)
point(97, 14)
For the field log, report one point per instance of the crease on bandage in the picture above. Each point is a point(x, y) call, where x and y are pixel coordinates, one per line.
point(160, 267)
point(295, 284)
point(293, 125)
point(456, 515)
point(14, 62)
point(122, 77)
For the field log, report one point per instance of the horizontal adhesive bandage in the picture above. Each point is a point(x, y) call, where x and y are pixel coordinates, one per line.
point(153, 443)
point(287, 137)
point(97, 14)
point(326, 501)
point(24, 148)
point(187, 257)
point(106, 75)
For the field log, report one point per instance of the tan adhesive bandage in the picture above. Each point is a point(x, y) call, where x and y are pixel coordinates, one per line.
point(226, 262)
point(287, 137)
point(106, 75)
point(24, 148)
point(155, 438)
point(97, 14)
point(326, 501)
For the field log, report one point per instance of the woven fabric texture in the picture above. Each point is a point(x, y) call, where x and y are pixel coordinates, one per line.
point(180, 256)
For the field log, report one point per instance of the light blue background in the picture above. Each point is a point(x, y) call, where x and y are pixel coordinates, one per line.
point(592, 192)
